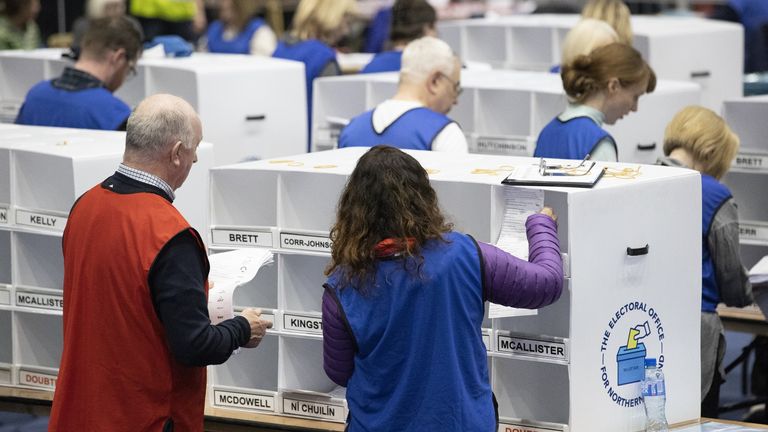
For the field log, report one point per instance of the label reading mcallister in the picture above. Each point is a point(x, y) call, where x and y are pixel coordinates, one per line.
point(242, 400)
point(499, 145)
point(302, 323)
point(512, 427)
point(37, 379)
point(40, 301)
point(3, 215)
point(751, 161)
point(530, 347)
point(305, 242)
point(241, 238)
point(748, 231)
point(320, 410)
point(40, 220)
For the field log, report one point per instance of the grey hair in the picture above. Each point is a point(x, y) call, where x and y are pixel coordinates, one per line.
point(424, 56)
point(150, 130)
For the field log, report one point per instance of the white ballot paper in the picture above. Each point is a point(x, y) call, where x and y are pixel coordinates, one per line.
point(228, 271)
point(519, 204)
point(758, 274)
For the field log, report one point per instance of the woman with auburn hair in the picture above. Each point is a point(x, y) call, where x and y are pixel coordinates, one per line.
point(699, 139)
point(602, 87)
point(615, 13)
point(239, 31)
point(404, 301)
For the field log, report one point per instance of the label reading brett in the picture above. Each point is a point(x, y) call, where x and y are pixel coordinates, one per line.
point(305, 242)
point(319, 410)
point(249, 401)
point(302, 323)
point(506, 146)
point(749, 231)
point(40, 301)
point(532, 347)
point(512, 427)
point(241, 238)
point(751, 161)
point(40, 220)
point(3, 215)
point(37, 379)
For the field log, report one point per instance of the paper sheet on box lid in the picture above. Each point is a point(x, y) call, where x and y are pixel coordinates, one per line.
point(228, 271)
point(519, 204)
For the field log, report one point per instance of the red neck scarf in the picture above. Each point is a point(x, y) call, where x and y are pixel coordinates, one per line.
point(393, 247)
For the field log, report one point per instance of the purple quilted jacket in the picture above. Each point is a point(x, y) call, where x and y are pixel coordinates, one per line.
point(507, 280)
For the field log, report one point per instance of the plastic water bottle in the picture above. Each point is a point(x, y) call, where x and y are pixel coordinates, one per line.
point(654, 396)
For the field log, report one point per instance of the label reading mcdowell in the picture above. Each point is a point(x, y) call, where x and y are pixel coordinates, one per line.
point(302, 323)
point(3, 215)
point(40, 301)
point(305, 242)
point(249, 401)
point(313, 409)
point(532, 347)
point(36, 379)
point(40, 220)
point(241, 238)
point(749, 231)
point(511, 427)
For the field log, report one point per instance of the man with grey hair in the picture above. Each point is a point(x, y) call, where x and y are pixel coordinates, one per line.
point(415, 118)
point(137, 335)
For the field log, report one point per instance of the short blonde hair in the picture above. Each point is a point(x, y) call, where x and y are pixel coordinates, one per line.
point(424, 56)
point(585, 36)
point(705, 136)
point(615, 13)
point(320, 19)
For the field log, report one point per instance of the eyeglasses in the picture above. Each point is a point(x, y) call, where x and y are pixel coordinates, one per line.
point(456, 84)
point(583, 168)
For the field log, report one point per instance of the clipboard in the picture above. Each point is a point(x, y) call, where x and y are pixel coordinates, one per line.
point(542, 175)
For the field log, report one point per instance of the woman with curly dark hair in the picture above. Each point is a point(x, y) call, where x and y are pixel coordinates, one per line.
point(404, 302)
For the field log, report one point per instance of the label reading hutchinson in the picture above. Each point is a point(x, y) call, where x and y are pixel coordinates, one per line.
point(41, 301)
point(40, 220)
point(249, 401)
point(634, 333)
point(305, 242)
point(302, 323)
point(498, 145)
point(530, 347)
point(37, 379)
point(241, 238)
point(3, 215)
point(320, 410)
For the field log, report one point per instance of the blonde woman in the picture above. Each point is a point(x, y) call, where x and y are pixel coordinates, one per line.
point(699, 139)
point(584, 37)
point(615, 13)
point(239, 31)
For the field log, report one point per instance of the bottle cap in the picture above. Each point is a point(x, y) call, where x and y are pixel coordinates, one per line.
point(650, 362)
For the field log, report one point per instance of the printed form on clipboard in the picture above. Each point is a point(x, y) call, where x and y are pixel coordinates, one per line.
point(543, 173)
point(519, 203)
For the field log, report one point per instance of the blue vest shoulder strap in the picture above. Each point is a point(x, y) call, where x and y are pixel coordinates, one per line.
point(416, 129)
point(571, 139)
point(387, 61)
point(713, 195)
point(240, 44)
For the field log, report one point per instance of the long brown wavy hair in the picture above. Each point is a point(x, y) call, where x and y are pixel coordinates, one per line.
point(388, 195)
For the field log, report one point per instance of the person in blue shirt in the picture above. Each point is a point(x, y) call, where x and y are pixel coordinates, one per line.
point(753, 15)
point(411, 19)
point(602, 87)
point(415, 118)
point(239, 31)
point(82, 96)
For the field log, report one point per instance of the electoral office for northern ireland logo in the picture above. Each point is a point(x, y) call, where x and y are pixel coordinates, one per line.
point(633, 333)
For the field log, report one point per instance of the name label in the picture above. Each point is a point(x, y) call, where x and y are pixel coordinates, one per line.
point(748, 231)
point(305, 242)
point(507, 146)
point(3, 215)
point(241, 238)
point(5, 296)
point(37, 379)
point(325, 411)
point(40, 301)
point(248, 401)
point(751, 161)
point(302, 323)
point(5, 376)
point(530, 347)
point(512, 427)
point(487, 340)
point(40, 220)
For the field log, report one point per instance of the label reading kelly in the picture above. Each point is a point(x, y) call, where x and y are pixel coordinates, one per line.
point(3, 215)
point(302, 323)
point(37, 379)
point(751, 161)
point(487, 340)
point(40, 301)
point(748, 231)
point(305, 242)
point(499, 145)
point(512, 427)
point(532, 347)
point(5, 296)
point(241, 238)
point(319, 410)
point(40, 220)
point(242, 400)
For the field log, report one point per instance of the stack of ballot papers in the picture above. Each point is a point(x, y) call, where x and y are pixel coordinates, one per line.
point(229, 270)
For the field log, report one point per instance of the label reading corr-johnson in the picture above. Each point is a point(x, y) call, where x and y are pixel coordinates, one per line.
point(305, 242)
point(3, 215)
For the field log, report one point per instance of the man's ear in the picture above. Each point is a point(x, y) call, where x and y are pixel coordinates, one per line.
point(432, 82)
point(176, 154)
point(117, 55)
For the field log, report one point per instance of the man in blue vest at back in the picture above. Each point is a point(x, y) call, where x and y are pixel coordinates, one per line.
point(415, 118)
point(82, 96)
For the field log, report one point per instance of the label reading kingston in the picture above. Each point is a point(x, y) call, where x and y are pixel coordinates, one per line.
point(242, 400)
point(37, 379)
point(3, 215)
point(511, 427)
point(749, 231)
point(40, 301)
point(40, 220)
point(241, 238)
point(305, 242)
point(302, 323)
point(505, 146)
point(751, 161)
point(313, 409)
point(532, 347)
